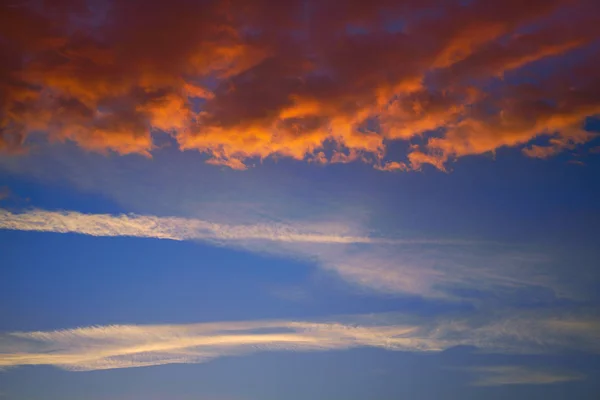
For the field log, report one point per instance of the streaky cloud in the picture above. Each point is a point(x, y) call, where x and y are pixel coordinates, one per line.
point(175, 228)
point(500, 375)
point(434, 268)
point(125, 346)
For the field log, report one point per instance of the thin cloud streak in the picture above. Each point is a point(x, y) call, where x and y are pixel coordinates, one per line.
point(125, 346)
point(174, 228)
point(500, 375)
point(443, 269)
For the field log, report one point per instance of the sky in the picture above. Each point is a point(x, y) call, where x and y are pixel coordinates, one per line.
point(264, 200)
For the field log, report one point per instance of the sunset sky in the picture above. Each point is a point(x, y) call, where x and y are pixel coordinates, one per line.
point(299, 199)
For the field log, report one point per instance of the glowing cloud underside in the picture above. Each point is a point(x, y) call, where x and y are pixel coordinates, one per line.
point(298, 82)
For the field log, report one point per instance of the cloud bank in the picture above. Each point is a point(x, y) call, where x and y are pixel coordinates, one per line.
point(320, 81)
point(125, 346)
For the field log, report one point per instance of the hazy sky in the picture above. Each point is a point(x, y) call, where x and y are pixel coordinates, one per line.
point(264, 200)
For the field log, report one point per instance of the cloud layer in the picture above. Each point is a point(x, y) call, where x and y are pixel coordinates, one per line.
point(325, 82)
point(124, 346)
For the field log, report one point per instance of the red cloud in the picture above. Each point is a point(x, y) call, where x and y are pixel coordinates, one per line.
point(327, 81)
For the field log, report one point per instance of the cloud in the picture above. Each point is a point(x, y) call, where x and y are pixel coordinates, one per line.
point(134, 346)
point(445, 272)
point(434, 268)
point(520, 375)
point(125, 346)
point(392, 166)
point(174, 228)
point(242, 80)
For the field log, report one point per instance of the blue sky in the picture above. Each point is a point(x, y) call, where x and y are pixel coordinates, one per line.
point(207, 200)
point(487, 254)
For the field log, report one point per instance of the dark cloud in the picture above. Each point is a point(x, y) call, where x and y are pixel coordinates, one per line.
point(301, 79)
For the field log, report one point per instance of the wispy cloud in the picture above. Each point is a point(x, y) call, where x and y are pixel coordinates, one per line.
point(446, 271)
point(521, 375)
point(107, 347)
point(180, 228)
point(410, 266)
point(124, 346)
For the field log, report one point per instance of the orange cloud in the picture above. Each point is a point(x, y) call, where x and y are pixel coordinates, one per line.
point(557, 111)
point(392, 166)
point(324, 82)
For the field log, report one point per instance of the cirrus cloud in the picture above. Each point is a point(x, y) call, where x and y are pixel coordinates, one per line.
point(126, 346)
point(430, 268)
point(499, 375)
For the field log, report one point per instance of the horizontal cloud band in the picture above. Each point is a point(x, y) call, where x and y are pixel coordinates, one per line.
point(520, 375)
point(416, 267)
point(174, 228)
point(123, 346)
